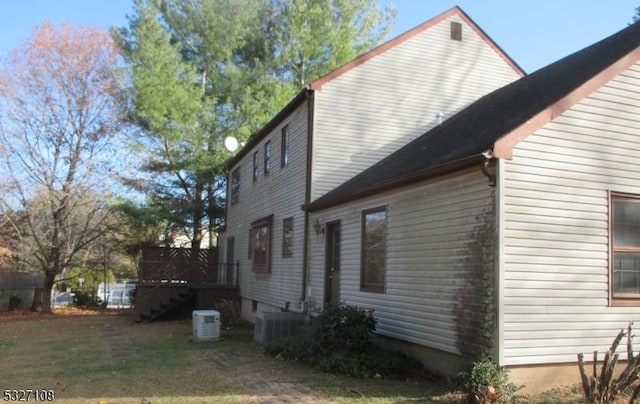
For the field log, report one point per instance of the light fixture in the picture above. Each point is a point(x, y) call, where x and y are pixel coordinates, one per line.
point(319, 228)
point(489, 167)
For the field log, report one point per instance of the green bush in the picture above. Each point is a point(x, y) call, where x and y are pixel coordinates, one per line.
point(295, 348)
point(340, 340)
point(132, 296)
point(376, 363)
point(487, 382)
point(84, 299)
point(343, 328)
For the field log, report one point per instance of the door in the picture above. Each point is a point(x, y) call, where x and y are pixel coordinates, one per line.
point(228, 276)
point(332, 264)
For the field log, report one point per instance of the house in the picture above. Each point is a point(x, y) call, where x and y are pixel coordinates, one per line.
point(511, 230)
point(331, 131)
point(18, 289)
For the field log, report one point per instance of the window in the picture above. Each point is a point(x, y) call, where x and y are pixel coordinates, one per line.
point(284, 147)
point(456, 31)
point(625, 249)
point(287, 237)
point(267, 157)
point(374, 250)
point(256, 164)
point(261, 244)
point(235, 186)
point(250, 243)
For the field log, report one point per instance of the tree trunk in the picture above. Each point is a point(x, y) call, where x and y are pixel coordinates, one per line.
point(36, 305)
point(197, 217)
point(49, 279)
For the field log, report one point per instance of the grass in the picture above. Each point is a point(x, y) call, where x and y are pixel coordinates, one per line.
point(91, 357)
point(104, 358)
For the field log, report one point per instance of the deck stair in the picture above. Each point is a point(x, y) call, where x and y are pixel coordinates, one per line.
point(155, 302)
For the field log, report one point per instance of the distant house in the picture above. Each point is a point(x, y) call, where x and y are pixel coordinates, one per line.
point(512, 229)
point(331, 131)
point(21, 286)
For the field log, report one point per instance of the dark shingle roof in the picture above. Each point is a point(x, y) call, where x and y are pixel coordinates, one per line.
point(475, 129)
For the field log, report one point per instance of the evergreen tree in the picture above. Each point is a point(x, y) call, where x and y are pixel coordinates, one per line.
point(205, 70)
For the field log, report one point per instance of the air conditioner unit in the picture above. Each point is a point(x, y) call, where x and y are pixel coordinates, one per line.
point(206, 325)
point(275, 325)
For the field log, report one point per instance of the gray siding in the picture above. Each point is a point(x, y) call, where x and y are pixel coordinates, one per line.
point(556, 230)
point(377, 107)
point(433, 261)
point(281, 193)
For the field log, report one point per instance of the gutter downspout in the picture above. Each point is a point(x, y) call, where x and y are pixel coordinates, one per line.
point(499, 262)
point(493, 168)
point(307, 197)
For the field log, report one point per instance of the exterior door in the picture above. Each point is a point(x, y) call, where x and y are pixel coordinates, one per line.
point(332, 264)
point(228, 276)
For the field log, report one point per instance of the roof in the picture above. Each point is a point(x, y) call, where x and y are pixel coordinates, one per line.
point(320, 82)
point(497, 121)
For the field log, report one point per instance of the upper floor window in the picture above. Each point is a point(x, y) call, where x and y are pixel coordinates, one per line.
point(287, 237)
point(374, 250)
point(267, 157)
point(625, 246)
point(284, 147)
point(235, 186)
point(256, 165)
point(261, 244)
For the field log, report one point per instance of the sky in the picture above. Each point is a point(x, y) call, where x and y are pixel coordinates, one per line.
point(534, 33)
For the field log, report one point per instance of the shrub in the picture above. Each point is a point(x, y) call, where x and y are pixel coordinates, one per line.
point(84, 299)
point(487, 382)
point(295, 348)
point(132, 296)
point(343, 328)
point(603, 387)
point(376, 363)
point(340, 340)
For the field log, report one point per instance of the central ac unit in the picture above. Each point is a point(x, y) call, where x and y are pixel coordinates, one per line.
point(274, 325)
point(206, 325)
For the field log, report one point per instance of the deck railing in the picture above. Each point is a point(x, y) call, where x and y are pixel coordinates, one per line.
point(185, 266)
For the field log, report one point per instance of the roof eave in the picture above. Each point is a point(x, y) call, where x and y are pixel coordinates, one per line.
point(270, 126)
point(395, 183)
point(503, 147)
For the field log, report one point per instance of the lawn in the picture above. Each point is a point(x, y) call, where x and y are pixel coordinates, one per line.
point(100, 357)
point(105, 358)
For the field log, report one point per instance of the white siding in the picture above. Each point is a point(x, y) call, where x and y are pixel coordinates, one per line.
point(432, 259)
point(556, 230)
point(393, 98)
point(280, 193)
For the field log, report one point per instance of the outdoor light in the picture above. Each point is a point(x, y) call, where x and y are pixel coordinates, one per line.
point(319, 229)
point(489, 167)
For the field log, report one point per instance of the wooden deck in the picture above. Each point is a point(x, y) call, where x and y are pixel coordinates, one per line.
point(172, 278)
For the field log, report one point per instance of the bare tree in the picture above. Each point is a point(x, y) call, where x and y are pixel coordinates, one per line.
point(59, 117)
